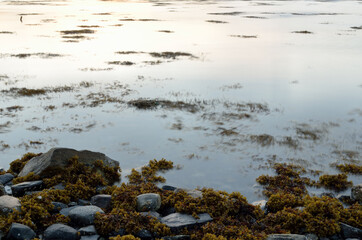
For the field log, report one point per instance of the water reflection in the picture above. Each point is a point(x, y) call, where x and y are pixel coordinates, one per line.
point(222, 88)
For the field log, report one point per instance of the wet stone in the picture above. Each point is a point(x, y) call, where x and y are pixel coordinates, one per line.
point(356, 193)
point(58, 206)
point(88, 230)
point(84, 215)
point(8, 203)
point(65, 211)
point(148, 202)
point(102, 201)
point(151, 214)
point(177, 221)
point(168, 188)
point(20, 232)
point(20, 189)
point(144, 234)
point(60, 232)
point(350, 232)
point(5, 178)
point(286, 237)
point(93, 237)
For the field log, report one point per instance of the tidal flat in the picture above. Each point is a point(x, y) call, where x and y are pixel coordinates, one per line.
point(232, 88)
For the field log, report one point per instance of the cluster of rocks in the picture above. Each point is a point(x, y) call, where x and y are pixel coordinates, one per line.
point(82, 213)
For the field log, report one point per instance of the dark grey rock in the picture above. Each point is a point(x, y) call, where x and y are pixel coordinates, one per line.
point(177, 221)
point(84, 215)
point(167, 211)
point(93, 237)
point(5, 178)
point(335, 237)
point(168, 188)
point(120, 232)
point(20, 232)
point(2, 190)
point(151, 214)
point(72, 204)
point(311, 236)
point(58, 206)
point(88, 230)
point(65, 211)
point(356, 193)
point(56, 159)
point(83, 202)
point(178, 237)
point(8, 203)
point(148, 202)
point(144, 234)
point(286, 237)
point(102, 201)
point(60, 232)
point(348, 231)
point(20, 189)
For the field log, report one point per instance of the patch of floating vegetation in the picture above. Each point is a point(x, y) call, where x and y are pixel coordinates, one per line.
point(165, 31)
point(41, 55)
point(140, 20)
point(124, 63)
point(81, 31)
point(227, 13)
point(244, 36)
point(150, 104)
point(6, 32)
point(315, 14)
point(255, 17)
point(216, 21)
point(357, 28)
point(89, 26)
point(303, 32)
point(350, 168)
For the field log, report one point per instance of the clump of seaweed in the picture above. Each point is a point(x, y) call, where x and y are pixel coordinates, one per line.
point(146, 104)
point(337, 182)
point(124, 63)
point(303, 32)
point(350, 168)
point(171, 55)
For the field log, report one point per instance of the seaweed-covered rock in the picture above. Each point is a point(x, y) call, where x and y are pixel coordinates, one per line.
point(60, 232)
point(84, 215)
point(88, 230)
point(56, 159)
point(5, 178)
point(20, 232)
point(148, 202)
point(177, 221)
point(286, 237)
point(356, 193)
point(350, 232)
point(102, 201)
point(191, 192)
point(151, 214)
point(8, 203)
point(20, 188)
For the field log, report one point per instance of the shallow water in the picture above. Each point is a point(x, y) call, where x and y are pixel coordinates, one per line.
point(269, 80)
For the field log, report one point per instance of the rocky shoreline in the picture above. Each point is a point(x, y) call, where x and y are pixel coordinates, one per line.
point(69, 194)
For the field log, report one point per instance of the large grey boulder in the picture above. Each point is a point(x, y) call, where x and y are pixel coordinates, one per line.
point(8, 204)
point(84, 215)
point(20, 232)
point(177, 221)
point(56, 159)
point(60, 232)
point(356, 193)
point(5, 178)
point(65, 211)
point(350, 232)
point(20, 188)
point(148, 202)
point(286, 237)
point(102, 201)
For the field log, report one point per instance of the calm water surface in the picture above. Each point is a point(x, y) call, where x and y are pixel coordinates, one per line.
point(268, 81)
